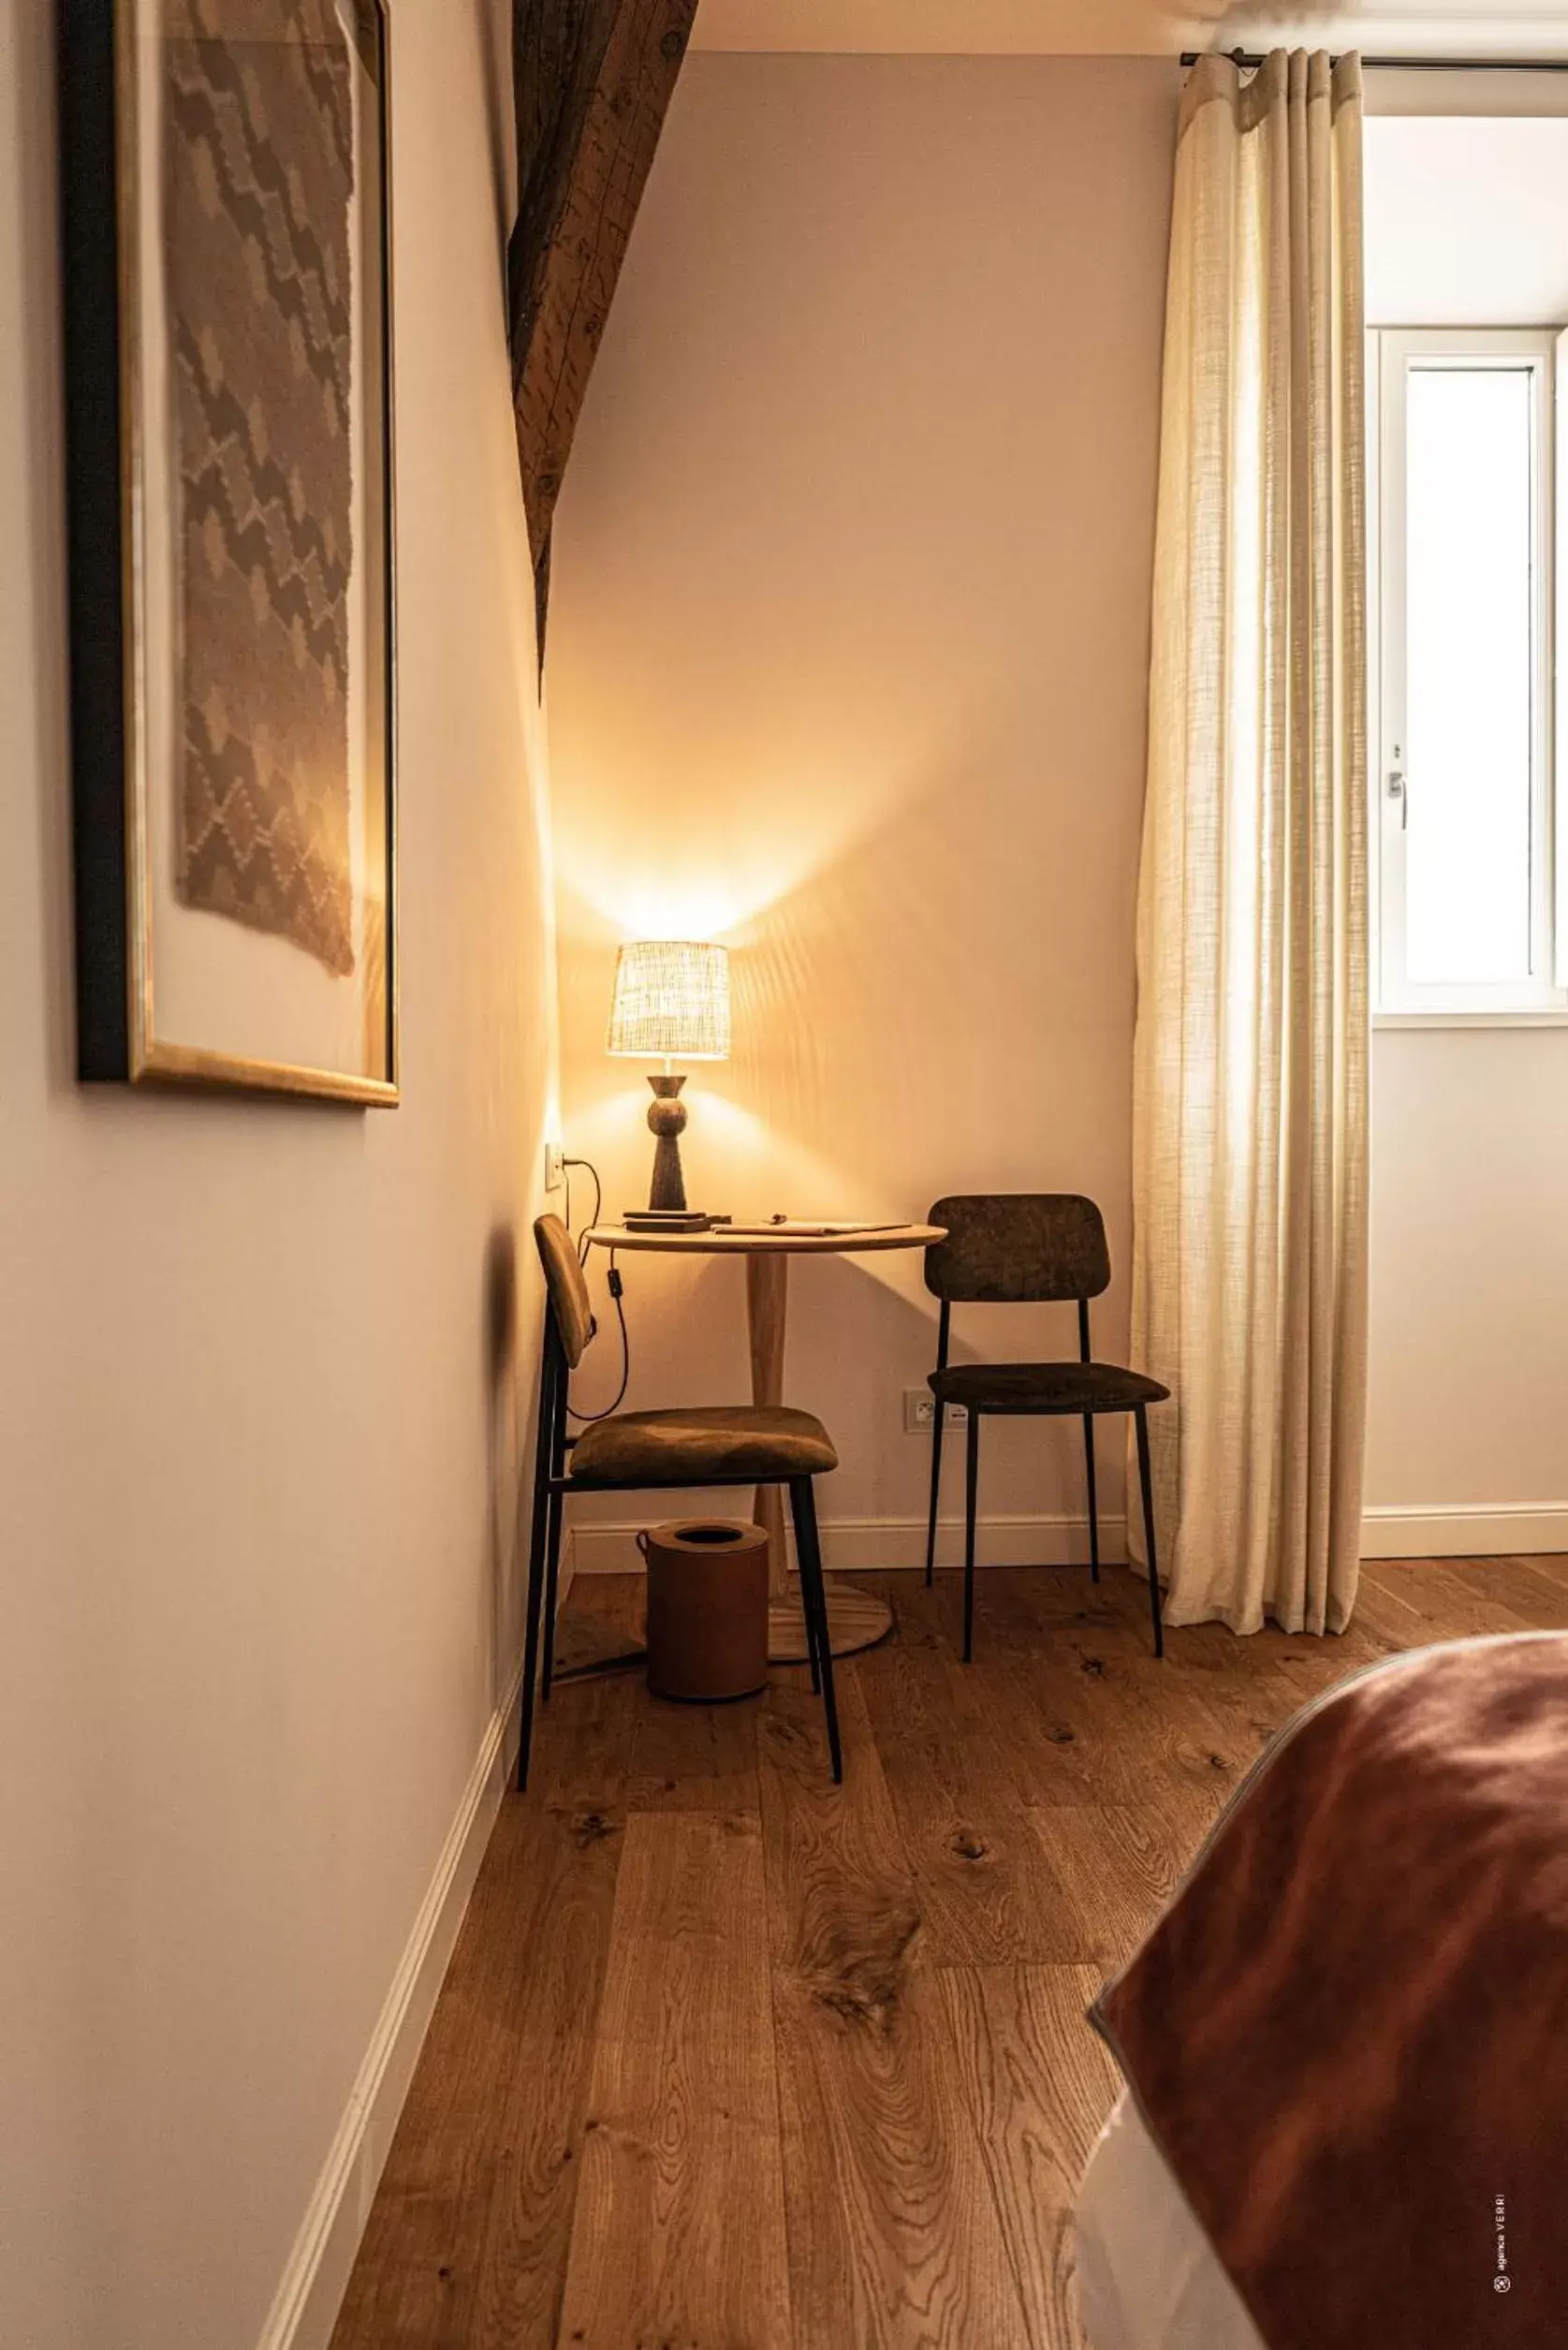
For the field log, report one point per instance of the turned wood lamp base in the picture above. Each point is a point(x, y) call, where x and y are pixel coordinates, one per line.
point(666, 1122)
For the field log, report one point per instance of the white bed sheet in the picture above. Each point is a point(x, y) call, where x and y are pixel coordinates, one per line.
point(1147, 2277)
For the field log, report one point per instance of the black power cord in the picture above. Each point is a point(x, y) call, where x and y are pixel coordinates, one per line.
point(617, 1291)
point(566, 1167)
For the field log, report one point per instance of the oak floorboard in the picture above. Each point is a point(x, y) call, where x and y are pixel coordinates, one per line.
point(465, 2248)
point(986, 1890)
point(606, 1741)
point(584, 1738)
point(1120, 1866)
point(1138, 1731)
point(894, 2243)
point(1436, 1601)
point(694, 1757)
point(678, 2229)
point(1064, 1743)
point(1494, 1596)
point(839, 1881)
point(1195, 1740)
point(1039, 2084)
point(1536, 1598)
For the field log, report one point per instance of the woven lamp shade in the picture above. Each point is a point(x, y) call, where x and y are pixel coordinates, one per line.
point(671, 1002)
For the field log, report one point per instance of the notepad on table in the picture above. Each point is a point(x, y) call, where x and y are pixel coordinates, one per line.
point(794, 1229)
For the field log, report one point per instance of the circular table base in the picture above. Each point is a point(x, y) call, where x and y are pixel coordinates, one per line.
point(855, 1620)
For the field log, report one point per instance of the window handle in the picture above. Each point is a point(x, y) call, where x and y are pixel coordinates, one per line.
point(1396, 788)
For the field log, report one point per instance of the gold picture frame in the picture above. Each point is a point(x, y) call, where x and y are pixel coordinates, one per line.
point(227, 240)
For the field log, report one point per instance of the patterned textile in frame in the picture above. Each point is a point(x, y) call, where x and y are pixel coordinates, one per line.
point(260, 164)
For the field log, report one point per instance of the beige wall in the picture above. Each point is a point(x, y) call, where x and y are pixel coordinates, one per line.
point(849, 667)
point(254, 1558)
point(1469, 1385)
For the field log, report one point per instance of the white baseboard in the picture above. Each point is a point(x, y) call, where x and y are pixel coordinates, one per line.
point(865, 1544)
point(1463, 1530)
point(316, 2275)
point(1440, 1531)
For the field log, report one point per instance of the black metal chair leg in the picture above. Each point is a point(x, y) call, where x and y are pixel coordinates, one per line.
point(813, 1595)
point(938, 1407)
point(808, 1613)
point(545, 1443)
point(1147, 1481)
point(972, 1462)
point(824, 1640)
point(552, 1582)
point(552, 1547)
point(531, 1645)
point(1094, 1509)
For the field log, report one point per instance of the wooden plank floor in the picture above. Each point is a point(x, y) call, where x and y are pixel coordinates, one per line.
point(730, 2060)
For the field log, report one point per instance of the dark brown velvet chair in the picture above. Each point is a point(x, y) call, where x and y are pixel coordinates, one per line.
point(640, 1451)
point(1030, 1248)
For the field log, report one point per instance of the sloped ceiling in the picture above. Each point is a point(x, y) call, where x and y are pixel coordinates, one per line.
point(1527, 28)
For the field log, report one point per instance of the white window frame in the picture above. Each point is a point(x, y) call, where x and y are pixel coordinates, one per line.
point(1541, 1000)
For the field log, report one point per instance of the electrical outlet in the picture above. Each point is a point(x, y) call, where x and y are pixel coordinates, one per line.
point(555, 1167)
point(920, 1410)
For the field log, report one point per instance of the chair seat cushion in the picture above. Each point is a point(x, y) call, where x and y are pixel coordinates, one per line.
point(743, 1441)
point(1045, 1387)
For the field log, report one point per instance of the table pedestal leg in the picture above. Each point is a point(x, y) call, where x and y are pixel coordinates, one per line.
point(855, 1619)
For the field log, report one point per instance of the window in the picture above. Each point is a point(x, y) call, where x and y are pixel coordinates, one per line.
point(1465, 813)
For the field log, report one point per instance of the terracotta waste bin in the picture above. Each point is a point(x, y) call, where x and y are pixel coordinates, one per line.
point(707, 1609)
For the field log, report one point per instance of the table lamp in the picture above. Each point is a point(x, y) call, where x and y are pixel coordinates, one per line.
point(671, 1002)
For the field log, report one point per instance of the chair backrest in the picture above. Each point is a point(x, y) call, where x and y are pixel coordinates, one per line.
point(1018, 1248)
point(567, 1286)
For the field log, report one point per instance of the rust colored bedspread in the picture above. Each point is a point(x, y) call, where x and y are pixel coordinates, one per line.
point(1349, 2034)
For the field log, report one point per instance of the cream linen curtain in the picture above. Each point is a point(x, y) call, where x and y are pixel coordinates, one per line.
point(1250, 1115)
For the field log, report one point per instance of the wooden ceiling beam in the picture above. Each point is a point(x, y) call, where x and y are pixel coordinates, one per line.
point(592, 81)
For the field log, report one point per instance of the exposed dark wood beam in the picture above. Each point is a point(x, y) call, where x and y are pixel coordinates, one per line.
point(592, 80)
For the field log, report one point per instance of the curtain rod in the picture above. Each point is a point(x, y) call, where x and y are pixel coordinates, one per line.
point(1248, 62)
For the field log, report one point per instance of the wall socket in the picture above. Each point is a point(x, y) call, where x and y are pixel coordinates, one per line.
point(555, 1166)
point(920, 1410)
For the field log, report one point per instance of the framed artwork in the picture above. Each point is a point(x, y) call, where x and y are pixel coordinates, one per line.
point(226, 242)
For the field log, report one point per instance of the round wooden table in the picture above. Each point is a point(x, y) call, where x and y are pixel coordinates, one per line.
point(855, 1619)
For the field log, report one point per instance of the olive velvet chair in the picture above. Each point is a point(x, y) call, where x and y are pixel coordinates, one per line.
point(640, 1451)
point(1030, 1248)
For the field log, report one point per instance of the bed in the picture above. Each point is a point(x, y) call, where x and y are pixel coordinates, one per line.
point(1345, 2043)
